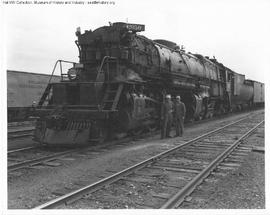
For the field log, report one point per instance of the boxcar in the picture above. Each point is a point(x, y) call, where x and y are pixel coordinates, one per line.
point(258, 95)
point(23, 88)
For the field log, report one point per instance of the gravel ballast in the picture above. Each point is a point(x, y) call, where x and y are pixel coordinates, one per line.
point(31, 187)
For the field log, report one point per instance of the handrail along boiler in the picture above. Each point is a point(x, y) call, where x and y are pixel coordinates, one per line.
point(120, 81)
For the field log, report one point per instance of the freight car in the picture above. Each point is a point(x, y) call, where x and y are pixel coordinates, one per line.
point(120, 81)
point(23, 88)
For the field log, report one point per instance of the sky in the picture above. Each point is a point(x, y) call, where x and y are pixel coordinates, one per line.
point(236, 32)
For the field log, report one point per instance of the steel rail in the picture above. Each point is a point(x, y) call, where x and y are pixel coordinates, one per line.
point(20, 123)
point(75, 195)
point(180, 196)
point(19, 136)
point(38, 160)
point(57, 155)
point(19, 131)
point(12, 134)
point(21, 149)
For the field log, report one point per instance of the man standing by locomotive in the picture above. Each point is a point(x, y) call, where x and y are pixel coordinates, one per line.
point(180, 112)
point(166, 117)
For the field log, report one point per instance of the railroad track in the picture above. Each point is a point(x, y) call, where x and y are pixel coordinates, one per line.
point(29, 131)
point(25, 157)
point(20, 133)
point(19, 164)
point(51, 154)
point(21, 149)
point(21, 124)
point(165, 180)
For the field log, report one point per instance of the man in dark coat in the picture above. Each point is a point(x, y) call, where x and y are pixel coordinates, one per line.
point(180, 112)
point(166, 117)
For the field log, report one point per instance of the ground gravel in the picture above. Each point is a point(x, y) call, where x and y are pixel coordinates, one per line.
point(28, 188)
point(243, 188)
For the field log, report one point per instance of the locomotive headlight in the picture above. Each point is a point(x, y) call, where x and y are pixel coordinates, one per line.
point(72, 73)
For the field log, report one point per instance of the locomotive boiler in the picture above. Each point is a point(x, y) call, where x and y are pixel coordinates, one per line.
point(120, 81)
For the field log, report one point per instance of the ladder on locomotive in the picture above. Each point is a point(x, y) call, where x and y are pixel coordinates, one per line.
point(113, 90)
point(112, 95)
point(46, 95)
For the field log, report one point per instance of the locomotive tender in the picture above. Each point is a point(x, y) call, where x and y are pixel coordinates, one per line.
point(120, 81)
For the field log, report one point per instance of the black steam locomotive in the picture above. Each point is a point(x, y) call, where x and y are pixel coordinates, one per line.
point(120, 81)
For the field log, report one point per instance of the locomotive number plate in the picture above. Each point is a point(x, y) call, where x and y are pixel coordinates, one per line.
point(135, 27)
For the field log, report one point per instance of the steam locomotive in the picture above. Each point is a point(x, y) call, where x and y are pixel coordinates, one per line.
point(121, 79)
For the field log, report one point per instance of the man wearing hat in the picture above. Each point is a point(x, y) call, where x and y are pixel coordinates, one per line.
point(180, 112)
point(166, 117)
